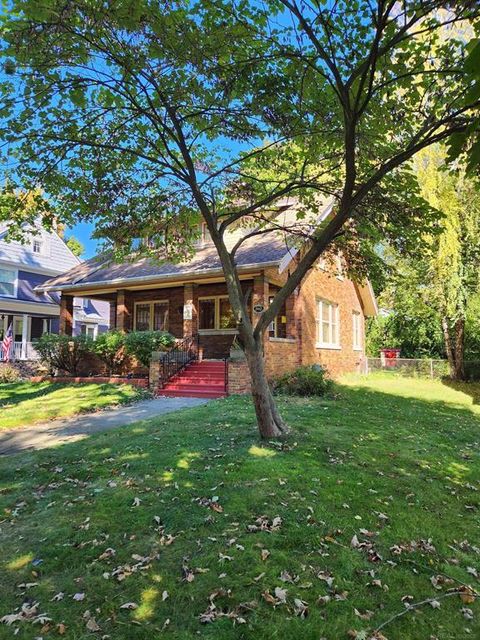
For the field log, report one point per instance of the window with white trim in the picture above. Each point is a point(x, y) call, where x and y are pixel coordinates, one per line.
point(8, 282)
point(357, 330)
point(278, 326)
point(89, 330)
point(328, 324)
point(215, 314)
point(37, 246)
point(151, 316)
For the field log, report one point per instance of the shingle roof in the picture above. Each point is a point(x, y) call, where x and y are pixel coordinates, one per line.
point(266, 249)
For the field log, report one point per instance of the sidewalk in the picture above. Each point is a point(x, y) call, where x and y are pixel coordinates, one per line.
point(67, 430)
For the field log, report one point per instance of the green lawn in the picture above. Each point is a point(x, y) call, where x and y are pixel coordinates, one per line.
point(24, 403)
point(146, 531)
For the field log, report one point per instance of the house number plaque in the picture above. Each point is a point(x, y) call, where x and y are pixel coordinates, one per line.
point(258, 308)
point(188, 311)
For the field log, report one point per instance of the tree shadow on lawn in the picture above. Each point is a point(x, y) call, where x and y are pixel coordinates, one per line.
point(366, 460)
point(470, 388)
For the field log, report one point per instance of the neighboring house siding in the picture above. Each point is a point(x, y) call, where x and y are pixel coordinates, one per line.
point(26, 285)
point(56, 257)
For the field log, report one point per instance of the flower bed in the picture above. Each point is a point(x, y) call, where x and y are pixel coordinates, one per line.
point(136, 382)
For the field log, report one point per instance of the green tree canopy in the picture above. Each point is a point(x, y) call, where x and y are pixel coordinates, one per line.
point(147, 117)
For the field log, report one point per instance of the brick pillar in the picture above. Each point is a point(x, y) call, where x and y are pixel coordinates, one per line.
point(66, 314)
point(260, 294)
point(154, 372)
point(113, 314)
point(190, 311)
point(124, 313)
point(290, 309)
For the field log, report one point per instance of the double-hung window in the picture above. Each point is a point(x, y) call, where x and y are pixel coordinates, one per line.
point(215, 314)
point(357, 330)
point(151, 316)
point(328, 325)
point(8, 282)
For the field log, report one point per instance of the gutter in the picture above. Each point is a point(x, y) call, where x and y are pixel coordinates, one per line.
point(147, 279)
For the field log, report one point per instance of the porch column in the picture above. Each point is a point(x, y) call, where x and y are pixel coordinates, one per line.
point(124, 313)
point(260, 295)
point(190, 312)
point(23, 355)
point(66, 314)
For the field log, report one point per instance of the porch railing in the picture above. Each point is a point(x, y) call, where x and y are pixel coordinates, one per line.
point(175, 360)
point(20, 351)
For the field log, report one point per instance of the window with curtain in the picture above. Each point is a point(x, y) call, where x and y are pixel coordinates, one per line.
point(328, 334)
point(8, 279)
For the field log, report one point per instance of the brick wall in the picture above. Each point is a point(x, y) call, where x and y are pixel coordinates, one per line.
point(324, 285)
point(280, 356)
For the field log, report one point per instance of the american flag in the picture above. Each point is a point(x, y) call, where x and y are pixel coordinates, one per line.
point(7, 342)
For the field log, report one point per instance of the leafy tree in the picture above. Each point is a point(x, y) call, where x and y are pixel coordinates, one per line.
point(64, 353)
point(110, 348)
point(433, 301)
point(75, 246)
point(149, 117)
point(141, 344)
point(452, 272)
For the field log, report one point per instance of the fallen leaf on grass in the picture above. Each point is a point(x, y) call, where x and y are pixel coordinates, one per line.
point(129, 605)
point(300, 608)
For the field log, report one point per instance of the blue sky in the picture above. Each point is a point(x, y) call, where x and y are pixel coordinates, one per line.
point(82, 231)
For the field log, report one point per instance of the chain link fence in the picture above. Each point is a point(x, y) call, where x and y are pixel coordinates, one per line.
point(420, 367)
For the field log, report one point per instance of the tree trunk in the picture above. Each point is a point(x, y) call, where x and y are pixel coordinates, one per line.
point(270, 423)
point(459, 337)
point(455, 346)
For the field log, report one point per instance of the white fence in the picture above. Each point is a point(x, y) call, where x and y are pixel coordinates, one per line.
point(20, 351)
point(422, 367)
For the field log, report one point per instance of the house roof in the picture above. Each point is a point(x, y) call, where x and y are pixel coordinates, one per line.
point(272, 249)
point(55, 258)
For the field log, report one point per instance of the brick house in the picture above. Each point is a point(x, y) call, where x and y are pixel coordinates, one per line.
point(322, 322)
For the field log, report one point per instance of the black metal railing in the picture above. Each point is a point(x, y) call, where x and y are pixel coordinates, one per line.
point(175, 360)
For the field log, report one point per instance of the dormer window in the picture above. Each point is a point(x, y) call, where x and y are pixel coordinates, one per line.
point(205, 237)
point(37, 246)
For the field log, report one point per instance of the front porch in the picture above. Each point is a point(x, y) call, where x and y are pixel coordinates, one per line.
point(199, 312)
point(26, 328)
point(189, 309)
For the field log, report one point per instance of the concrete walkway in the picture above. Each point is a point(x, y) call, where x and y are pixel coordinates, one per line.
point(68, 430)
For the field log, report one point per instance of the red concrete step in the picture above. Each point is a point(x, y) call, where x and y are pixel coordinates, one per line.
point(205, 367)
point(198, 380)
point(175, 393)
point(194, 386)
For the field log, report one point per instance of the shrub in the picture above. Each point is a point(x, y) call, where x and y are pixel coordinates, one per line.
point(304, 381)
point(9, 374)
point(63, 352)
point(141, 344)
point(110, 348)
